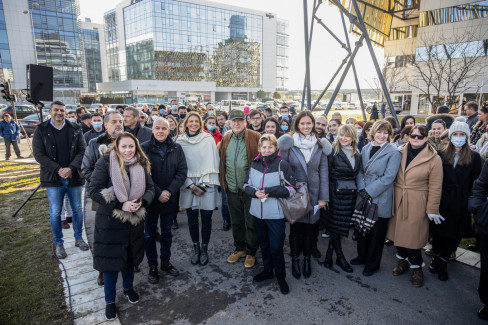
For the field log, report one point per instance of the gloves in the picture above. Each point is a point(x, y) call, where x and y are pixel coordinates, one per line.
point(198, 190)
point(364, 194)
point(437, 218)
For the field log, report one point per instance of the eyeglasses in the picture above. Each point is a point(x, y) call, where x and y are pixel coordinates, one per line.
point(416, 136)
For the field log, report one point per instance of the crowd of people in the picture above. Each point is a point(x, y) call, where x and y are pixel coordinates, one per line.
point(141, 167)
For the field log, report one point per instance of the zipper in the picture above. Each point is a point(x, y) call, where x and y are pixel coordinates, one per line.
point(262, 184)
point(235, 161)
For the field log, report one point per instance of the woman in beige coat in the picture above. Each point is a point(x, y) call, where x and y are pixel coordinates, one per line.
point(417, 195)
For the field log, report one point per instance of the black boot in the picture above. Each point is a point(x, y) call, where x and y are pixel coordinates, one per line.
point(328, 255)
point(204, 255)
point(434, 264)
point(341, 260)
point(195, 259)
point(295, 261)
point(307, 252)
point(442, 274)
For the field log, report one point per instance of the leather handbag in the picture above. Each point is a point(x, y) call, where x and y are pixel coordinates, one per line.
point(296, 206)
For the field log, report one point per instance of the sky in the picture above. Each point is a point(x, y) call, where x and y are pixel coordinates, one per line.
point(326, 53)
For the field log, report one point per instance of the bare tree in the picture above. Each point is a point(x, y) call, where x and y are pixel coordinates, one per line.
point(446, 65)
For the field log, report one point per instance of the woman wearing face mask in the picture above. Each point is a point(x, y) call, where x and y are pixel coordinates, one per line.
point(210, 127)
point(438, 126)
point(307, 154)
point(123, 188)
point(264, 186)
point(285, 126)
point(271, 126)
point(333, 128)
point(359, 126)
point(461, 167)
point(344, 170)
point(364, 137)
point(380, 163)
point(199, 192)
point(173, 126)
point(416, 198)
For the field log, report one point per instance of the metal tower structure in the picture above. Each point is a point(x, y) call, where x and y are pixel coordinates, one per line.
point(375, 28)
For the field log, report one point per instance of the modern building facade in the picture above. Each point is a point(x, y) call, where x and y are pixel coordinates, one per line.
point(93, 37)
point(435, 33)
point(192, 50)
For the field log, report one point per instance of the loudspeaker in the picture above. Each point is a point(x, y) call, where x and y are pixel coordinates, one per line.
point(40, 82)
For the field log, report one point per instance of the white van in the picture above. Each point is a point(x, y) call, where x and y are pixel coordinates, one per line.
point(236, 104)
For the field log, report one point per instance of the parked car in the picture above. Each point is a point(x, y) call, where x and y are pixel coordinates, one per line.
point(20, 110)
point(29, 123)
point(351, 106)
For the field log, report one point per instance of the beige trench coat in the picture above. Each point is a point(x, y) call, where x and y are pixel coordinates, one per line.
point(417, 192)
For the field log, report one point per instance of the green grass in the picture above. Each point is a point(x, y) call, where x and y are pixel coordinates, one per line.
point(31, 290)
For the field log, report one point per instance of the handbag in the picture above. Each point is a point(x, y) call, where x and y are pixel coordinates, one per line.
point(296, 206)
point(345, 186)
point(364, 216)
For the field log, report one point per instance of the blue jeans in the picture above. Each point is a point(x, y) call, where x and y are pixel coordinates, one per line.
point(110, 282)
point(55, 196)
point(225, 207)
point(165, 222)
point(271, 237)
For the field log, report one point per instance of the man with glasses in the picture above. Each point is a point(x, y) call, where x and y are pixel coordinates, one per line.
point(256, 121)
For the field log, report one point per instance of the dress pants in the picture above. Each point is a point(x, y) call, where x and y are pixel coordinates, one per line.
point(370, 246)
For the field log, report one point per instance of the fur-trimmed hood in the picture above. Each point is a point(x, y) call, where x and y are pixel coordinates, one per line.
point(134, 218)
point(286, 142)
point(432, 118)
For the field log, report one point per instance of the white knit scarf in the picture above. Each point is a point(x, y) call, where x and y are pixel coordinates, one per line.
point(305, 143)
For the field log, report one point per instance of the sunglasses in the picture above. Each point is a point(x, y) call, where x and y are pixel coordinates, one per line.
point(416, 136)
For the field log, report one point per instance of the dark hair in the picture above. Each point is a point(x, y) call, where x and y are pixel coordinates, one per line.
point(464, 154)
point(224, 114)
point(94, 114)
point(364, 137)
point(423, 130)
point(339, 122)
point(210, 117)
point(297, 120)
point(405, 131)
point(119, 107)
point(443, 110)
point(78, 111)
point(183, 107)
point(484, 109)
point(392, 121)
point(254, 112)
point(85, 116)
point(135, 111)
point(405, 119)
point(278, 127)
point(60, 103)
point(284, 106)
point(268, 110)
point(472, 105)
point(439, 121)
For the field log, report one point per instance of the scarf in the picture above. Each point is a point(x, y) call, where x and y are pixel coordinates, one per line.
point(202, 157)
point(412, 153)
point(126, 189)
point(306, 144)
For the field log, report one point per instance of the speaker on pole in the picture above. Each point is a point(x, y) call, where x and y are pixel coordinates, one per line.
point(40, 82)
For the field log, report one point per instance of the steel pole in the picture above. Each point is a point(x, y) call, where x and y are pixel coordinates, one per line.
point(307, 54)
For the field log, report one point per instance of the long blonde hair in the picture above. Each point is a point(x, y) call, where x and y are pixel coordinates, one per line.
point(347, 130)
point(185, 122)
point(139, 155)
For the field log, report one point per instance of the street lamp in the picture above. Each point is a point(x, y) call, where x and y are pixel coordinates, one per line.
point(34, 6)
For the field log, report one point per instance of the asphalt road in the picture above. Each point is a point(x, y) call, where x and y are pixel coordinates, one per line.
point(223, 293)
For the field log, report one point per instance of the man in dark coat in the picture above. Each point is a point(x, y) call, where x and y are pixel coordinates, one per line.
point(133, 126)
point(58, 146)
point(471, 110)
point(168, 171)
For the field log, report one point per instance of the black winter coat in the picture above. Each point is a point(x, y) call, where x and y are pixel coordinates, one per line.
point(457, 185)
point(342, 203)
point(93, 153)
point(168, 173)
point(115, 242)
point(478, 199)
point(44, 150)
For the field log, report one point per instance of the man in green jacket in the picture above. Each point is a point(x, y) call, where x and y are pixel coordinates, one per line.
point(237, 151)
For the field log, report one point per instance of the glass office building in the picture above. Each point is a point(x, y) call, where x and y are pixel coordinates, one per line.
point(58, 45)
point(5, 59)
point(180, 41)
point(91, 40)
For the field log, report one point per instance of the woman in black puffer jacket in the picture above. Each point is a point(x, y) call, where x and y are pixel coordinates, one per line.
point(344, 168)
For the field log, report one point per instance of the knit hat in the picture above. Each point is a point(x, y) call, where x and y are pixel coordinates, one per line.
point(459, 125)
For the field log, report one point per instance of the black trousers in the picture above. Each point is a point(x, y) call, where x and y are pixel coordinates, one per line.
point(414, 255)
point(302, 230)
point(483, 285)
point(193, 224)
point(370, 246)
point(271, 237)
point(444, 246)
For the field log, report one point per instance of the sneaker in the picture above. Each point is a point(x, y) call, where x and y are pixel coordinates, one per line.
point(132, 296)
point(110, 312)
point(153, 276)
point(234, 257)
point(250, 261)
point(82, 245)
point(284, 288)
point(263, 276)
point(59, 251)
point(65, 224)
point(325, 234)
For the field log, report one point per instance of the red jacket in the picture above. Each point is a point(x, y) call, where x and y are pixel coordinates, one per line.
point(216, 135)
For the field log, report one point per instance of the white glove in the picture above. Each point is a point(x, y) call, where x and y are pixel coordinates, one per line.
point(437, 218)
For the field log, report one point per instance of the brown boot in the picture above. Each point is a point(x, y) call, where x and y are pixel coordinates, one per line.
point(402, 267)
point(417, 277)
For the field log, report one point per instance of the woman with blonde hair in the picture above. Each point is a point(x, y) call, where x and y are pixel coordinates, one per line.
point(199, 192)
point(344, 171)
point(123, 188)
point(173, 126)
